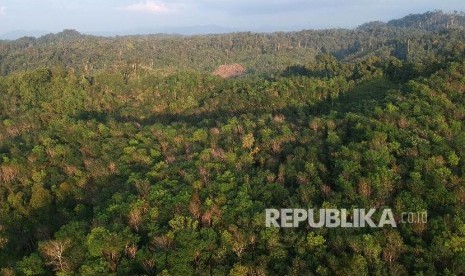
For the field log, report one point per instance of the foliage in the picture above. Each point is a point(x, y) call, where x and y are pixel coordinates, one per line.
point(142, 172)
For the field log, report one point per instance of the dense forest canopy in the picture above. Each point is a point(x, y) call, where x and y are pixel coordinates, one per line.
point(126, 156)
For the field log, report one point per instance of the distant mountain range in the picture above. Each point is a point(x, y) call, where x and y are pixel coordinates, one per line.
point(430, 21)
point(189, 30)
point(192, 30)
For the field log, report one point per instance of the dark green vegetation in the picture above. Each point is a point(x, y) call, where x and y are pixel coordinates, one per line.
point(134, 163)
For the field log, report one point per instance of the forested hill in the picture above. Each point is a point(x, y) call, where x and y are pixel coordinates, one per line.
point(127, 156)
point(413, 38)
point(431, 21)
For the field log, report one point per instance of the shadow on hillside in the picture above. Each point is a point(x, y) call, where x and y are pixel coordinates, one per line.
point(362, 99)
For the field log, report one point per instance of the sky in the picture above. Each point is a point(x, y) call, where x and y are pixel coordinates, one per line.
point(93, 16)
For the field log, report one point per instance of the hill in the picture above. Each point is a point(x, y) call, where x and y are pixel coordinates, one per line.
point(431, 21)
point(415, 37)
point(127, 156)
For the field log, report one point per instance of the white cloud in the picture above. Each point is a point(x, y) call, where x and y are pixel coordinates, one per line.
point(149, 7)
point(2, 11)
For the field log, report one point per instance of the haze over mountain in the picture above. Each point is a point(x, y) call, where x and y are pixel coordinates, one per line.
point(429, 20)
point(160, 15)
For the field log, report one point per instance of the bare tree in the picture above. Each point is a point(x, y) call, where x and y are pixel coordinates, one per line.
point(53, 251)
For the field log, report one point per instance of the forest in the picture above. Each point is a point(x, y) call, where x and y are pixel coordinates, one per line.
point(127, 156)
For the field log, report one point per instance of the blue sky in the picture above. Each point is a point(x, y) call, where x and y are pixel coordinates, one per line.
point(120, 15)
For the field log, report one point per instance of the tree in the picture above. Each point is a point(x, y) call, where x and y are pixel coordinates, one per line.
point(55, 253)
point(31, 265)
